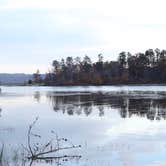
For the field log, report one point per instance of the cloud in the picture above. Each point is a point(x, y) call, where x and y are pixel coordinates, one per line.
point(73, 28)
point(137, 127)
point(27, 68)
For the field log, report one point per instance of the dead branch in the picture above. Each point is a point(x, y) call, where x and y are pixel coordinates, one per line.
point(42, 152)
point(29, 136)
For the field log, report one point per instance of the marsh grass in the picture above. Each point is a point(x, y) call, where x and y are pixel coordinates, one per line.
point(1, 155)
point(12, 158)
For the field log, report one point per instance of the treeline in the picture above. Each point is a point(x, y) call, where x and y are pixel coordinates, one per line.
point(148, 67)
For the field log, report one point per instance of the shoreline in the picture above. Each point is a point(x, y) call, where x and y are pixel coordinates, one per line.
point(86, 85)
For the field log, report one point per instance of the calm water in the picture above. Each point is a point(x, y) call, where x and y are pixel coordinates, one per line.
point(116, 125)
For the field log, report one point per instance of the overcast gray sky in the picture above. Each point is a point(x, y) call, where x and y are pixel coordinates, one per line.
point(35, 32)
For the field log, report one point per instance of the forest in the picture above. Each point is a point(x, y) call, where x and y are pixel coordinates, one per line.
point(140, 68)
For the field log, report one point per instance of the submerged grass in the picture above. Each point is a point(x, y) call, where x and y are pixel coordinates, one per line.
point(15, 158)
point(1, 155)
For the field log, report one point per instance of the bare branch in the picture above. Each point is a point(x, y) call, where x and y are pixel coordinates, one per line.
point(29, 136)
point(38, 151)
point(58, 149)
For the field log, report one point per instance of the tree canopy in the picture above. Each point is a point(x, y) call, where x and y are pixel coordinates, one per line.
point(147, 67)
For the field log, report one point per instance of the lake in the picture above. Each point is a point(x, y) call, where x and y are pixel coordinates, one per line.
point(115, 125)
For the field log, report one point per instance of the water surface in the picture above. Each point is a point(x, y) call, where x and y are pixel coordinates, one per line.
point(116, 125)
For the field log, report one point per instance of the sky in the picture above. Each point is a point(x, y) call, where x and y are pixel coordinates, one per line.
point(33, 33)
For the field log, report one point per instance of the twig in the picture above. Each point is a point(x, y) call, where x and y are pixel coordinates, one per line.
point(57, 157)
point(37, 152)
point(55, 150)
point(29, 136)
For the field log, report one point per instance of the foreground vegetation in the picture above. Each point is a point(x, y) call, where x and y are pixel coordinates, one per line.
point(140, 68)
point(36, 151)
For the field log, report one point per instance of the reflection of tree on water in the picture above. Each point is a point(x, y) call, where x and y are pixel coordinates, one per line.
point(37, 96)
point(87, 109)
point(0, 112)
point(77, 104)
point(153, 109)
point(101, 110)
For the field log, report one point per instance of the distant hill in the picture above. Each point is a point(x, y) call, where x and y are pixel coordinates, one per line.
point(17, 78)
